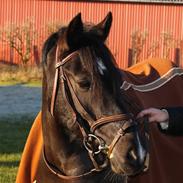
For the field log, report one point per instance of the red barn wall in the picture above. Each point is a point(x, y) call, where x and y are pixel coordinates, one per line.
point(127, 17)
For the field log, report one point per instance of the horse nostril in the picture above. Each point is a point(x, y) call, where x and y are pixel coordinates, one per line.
point(132, 155)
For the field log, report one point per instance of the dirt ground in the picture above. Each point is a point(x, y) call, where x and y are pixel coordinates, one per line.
point(19, 100)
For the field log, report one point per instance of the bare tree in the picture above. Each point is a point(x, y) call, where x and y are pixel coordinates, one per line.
point(138, 40)
point(168, 42)
point(52, 27)
point(20, 38)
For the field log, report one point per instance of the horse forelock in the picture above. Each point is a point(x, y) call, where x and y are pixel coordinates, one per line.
point(107, 67)
point(98, 59)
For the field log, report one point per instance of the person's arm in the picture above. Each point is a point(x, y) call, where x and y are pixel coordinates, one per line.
point(169, 120)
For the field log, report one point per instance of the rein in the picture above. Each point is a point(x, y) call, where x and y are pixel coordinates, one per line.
point(80, 113)
point(61, 175)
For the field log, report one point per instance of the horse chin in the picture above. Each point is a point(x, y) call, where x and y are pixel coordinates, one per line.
point(125, 169)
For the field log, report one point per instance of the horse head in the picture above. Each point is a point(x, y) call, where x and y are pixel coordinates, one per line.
point(86, 124)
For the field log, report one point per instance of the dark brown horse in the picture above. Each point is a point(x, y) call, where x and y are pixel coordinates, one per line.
point(89, 131)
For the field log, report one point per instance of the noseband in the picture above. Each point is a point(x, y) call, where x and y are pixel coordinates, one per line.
point(89, 138)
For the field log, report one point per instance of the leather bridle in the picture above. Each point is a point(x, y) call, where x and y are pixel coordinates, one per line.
point(79, 113)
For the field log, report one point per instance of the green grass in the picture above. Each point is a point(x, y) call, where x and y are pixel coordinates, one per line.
point(8, 83)
point(13, 134)
point(33, 84)
point(27, 84)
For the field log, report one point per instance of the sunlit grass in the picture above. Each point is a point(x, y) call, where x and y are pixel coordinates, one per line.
point(11, 75)
point(28, 84)
point(8, 167)
point(33, 84)
point(13, 134)
point(8, 83)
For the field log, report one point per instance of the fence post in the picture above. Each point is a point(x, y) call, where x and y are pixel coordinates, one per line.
point(11, 55)
point(181, 53)
point(177, 56)
point(36, 55)
point(130, 57)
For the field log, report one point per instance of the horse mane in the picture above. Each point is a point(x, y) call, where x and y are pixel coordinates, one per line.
point(48, 45)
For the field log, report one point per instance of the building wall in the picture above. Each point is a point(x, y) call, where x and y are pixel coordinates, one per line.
point(128, 17)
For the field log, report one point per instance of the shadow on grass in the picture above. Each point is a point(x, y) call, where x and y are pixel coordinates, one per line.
point(13, 133)
point(9, 164)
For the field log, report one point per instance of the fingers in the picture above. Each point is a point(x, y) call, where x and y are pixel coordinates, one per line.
point(153, 114)
point(145, 112)
point(152, 119)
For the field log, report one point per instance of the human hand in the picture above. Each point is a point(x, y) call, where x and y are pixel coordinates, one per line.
point(154, 115)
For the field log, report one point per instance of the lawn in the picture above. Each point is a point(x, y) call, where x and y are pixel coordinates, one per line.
point(13, 134)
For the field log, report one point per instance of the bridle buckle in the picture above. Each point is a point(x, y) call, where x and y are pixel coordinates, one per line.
point(88, 142)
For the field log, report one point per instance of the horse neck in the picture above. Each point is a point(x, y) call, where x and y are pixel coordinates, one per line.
point(130, 99)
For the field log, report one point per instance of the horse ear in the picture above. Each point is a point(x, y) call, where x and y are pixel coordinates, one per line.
point(74, 30)
point(102, 29)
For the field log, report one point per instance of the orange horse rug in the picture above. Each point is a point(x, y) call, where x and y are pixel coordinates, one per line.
point(152, 83)
point(31, 154)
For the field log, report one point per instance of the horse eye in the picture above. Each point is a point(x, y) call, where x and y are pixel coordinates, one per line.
point(85, 84)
